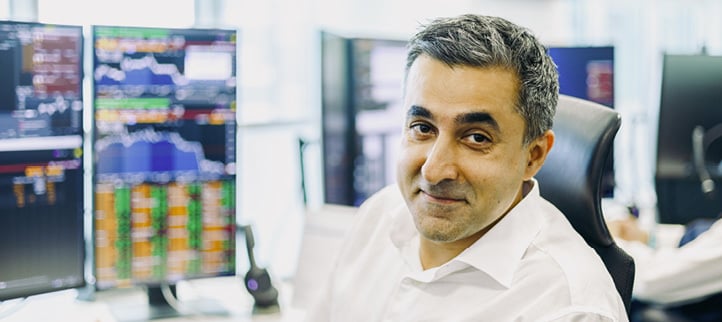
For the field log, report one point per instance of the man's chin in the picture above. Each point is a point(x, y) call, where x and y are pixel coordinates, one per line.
point(438, 236)
point(435, 228)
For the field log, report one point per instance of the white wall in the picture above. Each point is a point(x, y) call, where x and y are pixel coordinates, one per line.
point(4, 9)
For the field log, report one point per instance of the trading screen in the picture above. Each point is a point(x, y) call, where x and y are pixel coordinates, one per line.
point(362, 115)
point(588, 73)
point(165, 154)
point(41, 158)
point(378, 78)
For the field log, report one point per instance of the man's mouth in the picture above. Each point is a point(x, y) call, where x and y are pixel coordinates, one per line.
point(441, 199)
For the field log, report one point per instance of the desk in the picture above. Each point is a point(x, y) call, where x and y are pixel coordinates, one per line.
point(665, 235)
point(227, 292)
point(323, 233)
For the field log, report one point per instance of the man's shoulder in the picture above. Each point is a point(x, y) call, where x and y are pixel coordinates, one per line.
point(575, 276)
point(562, 255)
point(564, 249)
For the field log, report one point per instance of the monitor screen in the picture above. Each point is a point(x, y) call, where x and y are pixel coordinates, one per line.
point(588, 73)
point(691, 95)
point(164, 158)
point(42, 244)
point(362, 115)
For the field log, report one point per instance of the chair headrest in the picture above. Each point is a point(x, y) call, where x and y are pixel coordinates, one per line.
point(571, 175)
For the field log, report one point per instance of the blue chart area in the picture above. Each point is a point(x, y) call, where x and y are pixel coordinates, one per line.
point(142, 71)
point(147, 154)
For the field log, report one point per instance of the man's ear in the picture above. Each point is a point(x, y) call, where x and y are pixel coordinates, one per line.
point(537, 152)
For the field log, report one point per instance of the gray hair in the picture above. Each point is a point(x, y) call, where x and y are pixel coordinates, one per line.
point(485, 41)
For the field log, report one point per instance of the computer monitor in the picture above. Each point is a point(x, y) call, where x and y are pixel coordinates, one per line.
point(164, 158)
point(362, 81)
point(691, 96)
point(588, 73)
point(42, 247)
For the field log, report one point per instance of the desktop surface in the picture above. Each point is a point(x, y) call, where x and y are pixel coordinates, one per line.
point(227, 292)
point(324, 230)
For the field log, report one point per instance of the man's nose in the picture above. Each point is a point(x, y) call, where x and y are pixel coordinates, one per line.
point(441, 161)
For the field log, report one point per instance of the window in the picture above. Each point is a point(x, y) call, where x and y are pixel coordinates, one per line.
point(128, 12)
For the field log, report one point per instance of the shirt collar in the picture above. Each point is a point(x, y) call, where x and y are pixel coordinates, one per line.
point(404, 236)
point(497, 253)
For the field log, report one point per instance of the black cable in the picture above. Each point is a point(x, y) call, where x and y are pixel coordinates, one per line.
point(301, 147)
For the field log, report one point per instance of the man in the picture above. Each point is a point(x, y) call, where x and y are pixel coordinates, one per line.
point(679, 283)
point(465, 236)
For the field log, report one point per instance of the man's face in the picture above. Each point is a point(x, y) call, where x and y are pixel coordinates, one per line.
point(462, 160)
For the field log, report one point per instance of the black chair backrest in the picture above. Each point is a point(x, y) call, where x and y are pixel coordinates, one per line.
point(571, 179)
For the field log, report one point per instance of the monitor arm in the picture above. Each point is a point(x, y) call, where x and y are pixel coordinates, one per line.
point(707, 184)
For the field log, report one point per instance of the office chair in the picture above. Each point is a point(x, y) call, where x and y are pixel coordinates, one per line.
point(571, 180)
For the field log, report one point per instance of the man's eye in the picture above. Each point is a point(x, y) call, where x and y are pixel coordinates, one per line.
point(421, 128)
point(479, 138)
point(478, 141)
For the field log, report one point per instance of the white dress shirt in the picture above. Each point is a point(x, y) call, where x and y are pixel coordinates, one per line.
point(531, 266)
point(678, 275)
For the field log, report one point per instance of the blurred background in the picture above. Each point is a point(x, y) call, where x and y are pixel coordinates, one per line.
point(280, 156)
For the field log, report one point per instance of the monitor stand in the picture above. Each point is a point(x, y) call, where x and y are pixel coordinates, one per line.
point(158, 307)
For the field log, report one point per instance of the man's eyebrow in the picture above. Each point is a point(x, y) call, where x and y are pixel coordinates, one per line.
point(477, 117)
point(418, 111)
point(466, 118)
